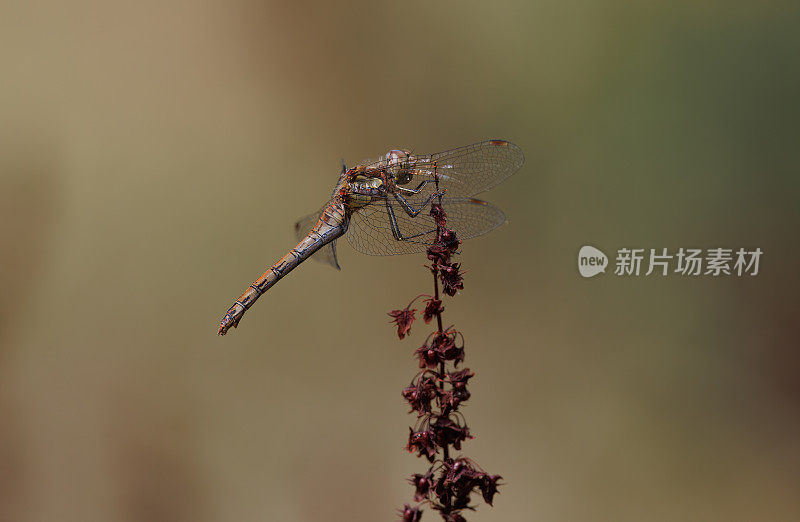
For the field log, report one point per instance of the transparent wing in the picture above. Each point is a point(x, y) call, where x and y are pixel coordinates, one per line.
point(326, 254)
point(467, 170)
point(371, 229)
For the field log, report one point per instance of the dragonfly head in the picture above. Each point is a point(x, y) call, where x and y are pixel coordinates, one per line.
point(397, 164)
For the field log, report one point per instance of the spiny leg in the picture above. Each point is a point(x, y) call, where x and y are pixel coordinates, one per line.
point(396, 228)
point(411, 211)
point(416, 190)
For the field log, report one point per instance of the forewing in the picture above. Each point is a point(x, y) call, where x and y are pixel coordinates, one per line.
point(370, 229)
point(326, 254)
point(467, 170)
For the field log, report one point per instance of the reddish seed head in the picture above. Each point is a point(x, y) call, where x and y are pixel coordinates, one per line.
point(428, 357)
point(439, 215)
point(421, 395)
point(449, 240)
point(422, 485)
point(433, 307)
point(453, 517)
point(451, 278)
point(444, 343)
point(411, 514)
point(488, 486)
point(403, 319)
point(423, 443)
point(459, 378)
point(445, 432)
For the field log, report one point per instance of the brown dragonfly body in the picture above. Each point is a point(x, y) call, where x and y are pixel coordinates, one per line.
point(385, 217)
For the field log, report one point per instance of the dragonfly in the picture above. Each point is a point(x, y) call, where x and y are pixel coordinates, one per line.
point(379, 207)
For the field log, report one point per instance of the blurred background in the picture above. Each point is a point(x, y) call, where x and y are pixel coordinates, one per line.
point(154, 157)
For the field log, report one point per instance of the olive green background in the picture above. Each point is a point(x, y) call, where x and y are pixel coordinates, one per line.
point(155, 155)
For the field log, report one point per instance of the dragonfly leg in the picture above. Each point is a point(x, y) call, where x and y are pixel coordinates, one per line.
point(416, 190)
point(411, 211)
point(396, 228)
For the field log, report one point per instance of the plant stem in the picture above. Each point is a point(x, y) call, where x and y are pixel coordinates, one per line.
point(435, 271)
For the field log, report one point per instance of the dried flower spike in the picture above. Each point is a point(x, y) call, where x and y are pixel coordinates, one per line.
point(436, 393)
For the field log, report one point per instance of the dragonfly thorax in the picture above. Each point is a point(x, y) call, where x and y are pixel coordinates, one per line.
point(363, 183)
point(362, 189)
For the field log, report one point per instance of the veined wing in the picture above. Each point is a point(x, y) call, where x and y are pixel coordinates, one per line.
point(326, 254)
point(371, 230)
point(467, 170)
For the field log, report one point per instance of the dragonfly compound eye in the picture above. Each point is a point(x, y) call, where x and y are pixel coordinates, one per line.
point(403, 176)
point(395, 158)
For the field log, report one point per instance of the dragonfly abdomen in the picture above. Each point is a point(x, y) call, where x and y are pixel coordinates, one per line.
point(331, 225)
